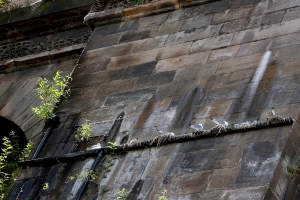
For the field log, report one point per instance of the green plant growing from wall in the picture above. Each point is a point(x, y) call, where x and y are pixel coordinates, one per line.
point(122, 194)
point(104, 189)
point(46, 186)
point(163, 195)
point(9, 156)
point(84, 133)
point(294, 171)
point(4, 3)
point(26, 151)
point(87, 176)
point(137, 2)
point(109, 158)
point(51, 94)
point(96, 176)
point(4, 167)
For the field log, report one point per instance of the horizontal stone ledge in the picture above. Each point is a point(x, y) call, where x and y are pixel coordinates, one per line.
point(162, 140)
point(121, 14)
point(46, 57)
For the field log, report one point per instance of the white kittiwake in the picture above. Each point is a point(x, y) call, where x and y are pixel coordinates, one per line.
point(197, 127)
point(165, 132)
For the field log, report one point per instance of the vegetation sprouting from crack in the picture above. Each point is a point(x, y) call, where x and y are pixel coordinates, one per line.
point(96, 177)
point(163, 195)
point(122, 194)
point(10, 154)
point(294, 171)
point(50, 94)
point(84, 132)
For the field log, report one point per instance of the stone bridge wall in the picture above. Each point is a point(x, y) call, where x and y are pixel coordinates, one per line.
point(184, 63)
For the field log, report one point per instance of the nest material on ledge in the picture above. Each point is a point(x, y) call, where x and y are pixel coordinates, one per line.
point(161, 140)
point(215, 131)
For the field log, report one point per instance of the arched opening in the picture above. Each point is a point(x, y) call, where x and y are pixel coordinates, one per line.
point(8, 126)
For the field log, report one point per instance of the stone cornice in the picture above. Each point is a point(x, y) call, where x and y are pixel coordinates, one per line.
point(47, 57)
point(122, 14)
point(41, 19)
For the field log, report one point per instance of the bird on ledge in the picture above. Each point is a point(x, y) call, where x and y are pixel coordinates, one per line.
point(164, 132)
point(220, 122)
point(197, 127)
point(134, 141)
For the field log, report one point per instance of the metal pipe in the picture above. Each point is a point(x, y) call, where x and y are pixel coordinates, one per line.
point(54, 121)
point(85, 183)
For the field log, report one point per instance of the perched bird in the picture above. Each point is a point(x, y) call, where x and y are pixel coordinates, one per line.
point(220, 122)
point(197, 127)
point(134, 141)
point(165, 132)
point(242, 125)
point(96, 146)
point(273, 112)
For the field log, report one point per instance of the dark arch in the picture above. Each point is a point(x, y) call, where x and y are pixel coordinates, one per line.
point(8, 126)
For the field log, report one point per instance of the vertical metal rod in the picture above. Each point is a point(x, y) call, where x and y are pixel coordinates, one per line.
point(85, 183)
point(55, 121)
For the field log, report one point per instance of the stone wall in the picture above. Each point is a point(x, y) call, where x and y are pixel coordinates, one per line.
point(169, 65)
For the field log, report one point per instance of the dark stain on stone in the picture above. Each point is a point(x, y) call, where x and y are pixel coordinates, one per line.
point(112, 134)
point(124, 139)
point(185, 111)
point(147, 111)
point(139, 70)
point(134, 193)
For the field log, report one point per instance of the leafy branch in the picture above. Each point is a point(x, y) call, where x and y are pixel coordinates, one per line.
point(122, 194)
point(9, 156)
point(51, 94)
point(163, 195)
point(84, 133)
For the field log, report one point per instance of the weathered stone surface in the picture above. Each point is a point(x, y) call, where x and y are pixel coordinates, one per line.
point(221, 94)
point(232, 14)
point(254, 47)
point(281, 5)
point(175, 88)
point(139, 70)
point(197, 34)
point(214, 109)
point(155, 20)
point(223, 54)
point(186, 13)
point(154, 80)
point(212, 159)
point(181, 62)
point(241, 63)
point(137, 35)
point(98, 77)
point(223, 178)
point(169, 28)
point(252, 192)
point(134, 96)
point(212, 43)
point(196, 22)
point(235, 25)
point(216, 7)
point(273, 18)
point(238, 4)
point(148, 44)
point(104, 41)
point(259, 160)
point(266, 32)
point(285, 40)
point(19, 95)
